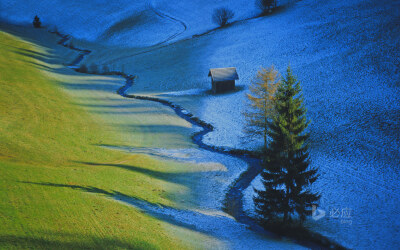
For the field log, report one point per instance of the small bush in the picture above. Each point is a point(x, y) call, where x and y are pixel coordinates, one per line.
point(36, 22)
point(221, 16)
point(83, 69)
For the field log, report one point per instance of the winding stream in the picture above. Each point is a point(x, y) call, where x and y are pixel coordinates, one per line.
point(233, 202)
point(234, 197)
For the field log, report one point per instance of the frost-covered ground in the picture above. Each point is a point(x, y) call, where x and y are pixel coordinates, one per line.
point(345, 53)
point(123, 23)
point(216, 170)
point(204, 214)
point(346, 56)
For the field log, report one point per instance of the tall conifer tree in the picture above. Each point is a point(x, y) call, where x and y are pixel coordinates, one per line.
point(287, 176)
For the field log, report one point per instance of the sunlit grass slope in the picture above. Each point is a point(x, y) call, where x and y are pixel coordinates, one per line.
point(55, 179)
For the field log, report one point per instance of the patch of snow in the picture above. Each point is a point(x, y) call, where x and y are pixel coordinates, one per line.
point(189, 92)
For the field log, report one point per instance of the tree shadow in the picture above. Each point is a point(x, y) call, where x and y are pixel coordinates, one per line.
point(125, 107)
point(219, 225)
point(211, 223)
point(155, 129)
point(176, 177)
point(128, 112)
point(161, 212)
point(92, 86)
point(32, 54)
point(38, 65)
point(238, 88)
point(89, 189)
point(155, 152)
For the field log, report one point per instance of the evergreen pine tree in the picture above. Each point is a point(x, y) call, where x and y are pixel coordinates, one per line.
point(287, 176)
point(36, 22)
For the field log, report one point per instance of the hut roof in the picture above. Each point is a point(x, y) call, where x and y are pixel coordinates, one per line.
point(223, 74)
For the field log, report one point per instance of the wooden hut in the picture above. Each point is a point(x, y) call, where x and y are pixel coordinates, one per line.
point(223, 79)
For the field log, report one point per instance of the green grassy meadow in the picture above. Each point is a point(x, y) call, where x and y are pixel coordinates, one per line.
point(56, 173)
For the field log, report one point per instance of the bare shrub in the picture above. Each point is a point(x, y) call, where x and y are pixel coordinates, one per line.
point(221, 16)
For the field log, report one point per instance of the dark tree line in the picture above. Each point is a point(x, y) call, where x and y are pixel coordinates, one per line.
point(221, 16)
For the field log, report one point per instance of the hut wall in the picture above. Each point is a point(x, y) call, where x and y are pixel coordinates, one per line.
point(223, 86)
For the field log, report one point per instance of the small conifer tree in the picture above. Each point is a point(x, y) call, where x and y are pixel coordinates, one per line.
point(36, 22)
point(83, 69)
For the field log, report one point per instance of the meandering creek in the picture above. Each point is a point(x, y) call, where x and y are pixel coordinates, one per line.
point(233, 200)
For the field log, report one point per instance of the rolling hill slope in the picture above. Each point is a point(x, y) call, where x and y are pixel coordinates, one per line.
point(56, 182)
point(346, 55)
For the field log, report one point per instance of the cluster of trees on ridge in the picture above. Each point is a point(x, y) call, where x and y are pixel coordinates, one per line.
point(222, 15)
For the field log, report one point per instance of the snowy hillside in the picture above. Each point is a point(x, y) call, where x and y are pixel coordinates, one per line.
point(126, 23)
point(346, 56)
point(345, 53)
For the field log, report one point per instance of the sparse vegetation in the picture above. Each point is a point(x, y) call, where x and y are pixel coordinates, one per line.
point(222, 15)
point(83, 69)
point(36, 22)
